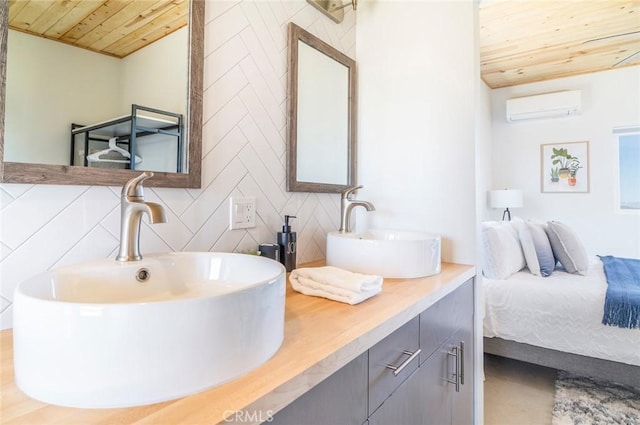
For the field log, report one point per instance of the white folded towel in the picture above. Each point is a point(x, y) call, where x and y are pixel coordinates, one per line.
point(335, 284)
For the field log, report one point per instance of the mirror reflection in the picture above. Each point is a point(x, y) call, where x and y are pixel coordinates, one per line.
point(96, 90)
point(75, 76)
point(321, 145)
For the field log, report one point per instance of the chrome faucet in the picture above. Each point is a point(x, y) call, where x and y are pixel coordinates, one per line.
point(132, 206)
point(347, 204)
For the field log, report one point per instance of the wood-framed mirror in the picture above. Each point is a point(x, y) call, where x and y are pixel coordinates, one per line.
point(321, 137)
point(35, 173)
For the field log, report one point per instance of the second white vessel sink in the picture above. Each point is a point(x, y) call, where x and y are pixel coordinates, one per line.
point(388, 253)
point(117, 334)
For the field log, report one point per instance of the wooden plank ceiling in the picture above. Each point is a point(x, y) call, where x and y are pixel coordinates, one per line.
point(536, 40)
point(521, 41)
point(112, 27)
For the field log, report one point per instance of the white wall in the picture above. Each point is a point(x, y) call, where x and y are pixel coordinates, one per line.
point(245, 77)
point(157, 77)
point(161, 66)
point(483, 183)
point(610, 99)
point(417, 106)
point(484, 169)
point(47, 84)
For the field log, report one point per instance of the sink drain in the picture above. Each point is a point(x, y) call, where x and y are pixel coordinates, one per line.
point(143, 275)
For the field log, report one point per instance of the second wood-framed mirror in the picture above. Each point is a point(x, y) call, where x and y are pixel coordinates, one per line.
point(322, 143)
point(38, 173)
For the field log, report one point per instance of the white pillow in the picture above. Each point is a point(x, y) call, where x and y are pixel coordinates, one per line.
point(567, 247)
point(502, 253)
point(537, 249)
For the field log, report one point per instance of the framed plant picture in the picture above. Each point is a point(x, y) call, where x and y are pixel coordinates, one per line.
point(564, 167)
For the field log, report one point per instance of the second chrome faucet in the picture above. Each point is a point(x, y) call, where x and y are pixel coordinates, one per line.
point(132, 207)
point(347, 204)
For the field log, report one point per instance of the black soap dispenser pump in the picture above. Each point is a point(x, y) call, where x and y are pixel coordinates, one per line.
point(287, 242)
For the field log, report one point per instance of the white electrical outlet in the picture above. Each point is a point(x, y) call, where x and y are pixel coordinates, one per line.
point(242, 213)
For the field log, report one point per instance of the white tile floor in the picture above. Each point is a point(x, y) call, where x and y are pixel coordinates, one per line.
point(517, 393)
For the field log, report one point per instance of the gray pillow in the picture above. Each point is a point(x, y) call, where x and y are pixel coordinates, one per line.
point(537, 249)
point(567, 247)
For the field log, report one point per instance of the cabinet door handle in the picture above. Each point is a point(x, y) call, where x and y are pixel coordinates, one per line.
point(455, 352)
point(462, 362)
point(398, 369)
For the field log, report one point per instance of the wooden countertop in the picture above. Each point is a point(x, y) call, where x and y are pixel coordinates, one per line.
point(320, 337)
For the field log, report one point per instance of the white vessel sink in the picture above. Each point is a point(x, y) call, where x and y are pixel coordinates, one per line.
point(92, 335)
point(388, 253)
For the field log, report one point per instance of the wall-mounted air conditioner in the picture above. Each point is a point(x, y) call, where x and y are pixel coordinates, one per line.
point(548, 105)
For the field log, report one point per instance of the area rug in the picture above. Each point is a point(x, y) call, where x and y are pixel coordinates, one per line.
point(587, 401)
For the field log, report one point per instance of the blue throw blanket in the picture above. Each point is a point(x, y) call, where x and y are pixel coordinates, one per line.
point(622, 302)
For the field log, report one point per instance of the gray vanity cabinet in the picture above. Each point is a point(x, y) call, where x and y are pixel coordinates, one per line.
point(448, 326)
point(440, 392)
point(435, 390)
point(392, 361)
point(435, 385)
point(444, 401)
point(404, 405)
point(441, 320)
point(341, 399)
point(462, 400)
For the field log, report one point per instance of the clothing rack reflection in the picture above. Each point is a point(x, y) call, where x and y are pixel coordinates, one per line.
point(127, 130)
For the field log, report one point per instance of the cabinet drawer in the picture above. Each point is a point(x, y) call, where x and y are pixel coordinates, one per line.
point(441, 320)
point(395, 351)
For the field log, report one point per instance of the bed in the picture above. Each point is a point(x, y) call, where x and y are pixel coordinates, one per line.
point(556, 321)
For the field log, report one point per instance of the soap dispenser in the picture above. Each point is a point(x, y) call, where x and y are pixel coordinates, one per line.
point(287, 242)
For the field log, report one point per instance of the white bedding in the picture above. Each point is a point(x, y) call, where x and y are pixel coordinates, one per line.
point(562, 312)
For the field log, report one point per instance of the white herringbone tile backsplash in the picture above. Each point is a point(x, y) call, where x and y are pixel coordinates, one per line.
point(244, 135)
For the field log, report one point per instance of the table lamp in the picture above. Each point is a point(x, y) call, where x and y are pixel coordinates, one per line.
point(505, 198)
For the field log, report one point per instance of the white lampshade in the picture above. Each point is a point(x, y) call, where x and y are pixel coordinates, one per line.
point(505, 198)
